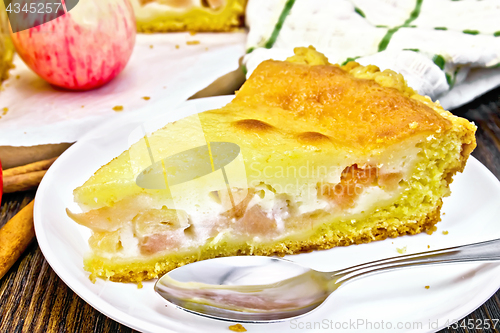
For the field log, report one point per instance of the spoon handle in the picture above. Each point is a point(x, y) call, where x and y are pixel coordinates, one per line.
point(483, 251)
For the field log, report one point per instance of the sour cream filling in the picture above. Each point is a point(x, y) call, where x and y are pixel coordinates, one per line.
point(206, 215)
point(275, 206)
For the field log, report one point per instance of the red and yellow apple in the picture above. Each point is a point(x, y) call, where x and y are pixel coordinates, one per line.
point(82, 49)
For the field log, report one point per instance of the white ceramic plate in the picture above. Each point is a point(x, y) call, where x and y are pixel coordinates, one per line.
point(396, 301)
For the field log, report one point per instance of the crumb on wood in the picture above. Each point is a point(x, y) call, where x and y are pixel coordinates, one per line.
point(18, 77)
point(192, 42)
point(237, 328)
point(146, 98)
point(118, 108)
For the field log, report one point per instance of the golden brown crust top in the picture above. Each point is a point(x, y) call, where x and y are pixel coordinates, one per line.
point(328, 101)
point(314, 138)
point(253, 125)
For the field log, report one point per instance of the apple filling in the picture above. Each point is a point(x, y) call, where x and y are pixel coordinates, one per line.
point(354, 181)
point(261, 214)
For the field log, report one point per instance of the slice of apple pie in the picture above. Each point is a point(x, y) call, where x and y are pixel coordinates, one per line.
point(307, 156)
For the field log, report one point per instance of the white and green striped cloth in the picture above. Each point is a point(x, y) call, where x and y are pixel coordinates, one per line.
point(448, 50)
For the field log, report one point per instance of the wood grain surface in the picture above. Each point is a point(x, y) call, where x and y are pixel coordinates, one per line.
point(34, 299)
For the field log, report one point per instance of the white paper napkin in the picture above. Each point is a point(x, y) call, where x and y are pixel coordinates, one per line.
point(167, 68)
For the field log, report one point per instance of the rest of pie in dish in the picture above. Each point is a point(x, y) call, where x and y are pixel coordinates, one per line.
point(188, 15)
point(307, 156)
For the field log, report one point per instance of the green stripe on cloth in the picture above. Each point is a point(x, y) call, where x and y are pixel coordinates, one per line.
point(471, 32)
point(415, 12)
point(496, 34)
point(413, 16)
point(349, 60)
point(277, 28)
point(387, 38)
point(439, 61)
point(440, 28)
point(359, 11)
point(451, 79)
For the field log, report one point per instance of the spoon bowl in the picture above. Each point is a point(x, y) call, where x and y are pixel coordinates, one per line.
point(266, 289)
point(255, 289)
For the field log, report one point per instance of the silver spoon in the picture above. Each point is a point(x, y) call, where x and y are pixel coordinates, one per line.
point(266, 289)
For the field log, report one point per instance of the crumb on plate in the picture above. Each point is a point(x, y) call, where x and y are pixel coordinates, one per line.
point(431, 230)
point(146, 98)
point(445, 232)
point(401, 250)
point(427, 287)
point(118, 108)
point(192, 42)
point(237, 328)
